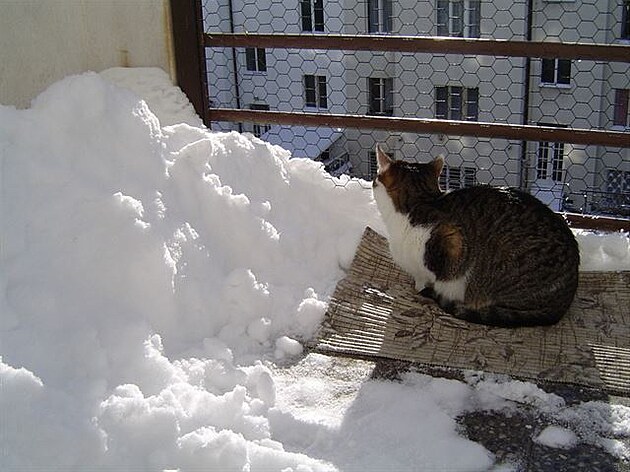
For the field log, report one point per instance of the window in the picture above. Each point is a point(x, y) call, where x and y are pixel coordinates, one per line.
point(379, 16)
point(457, 103)
point(620, 117)
point(470, 176)
point(556, 71)
point(315, 93)
point(260, 129)
point(256, 59)
point(381, 96)
point(459, 18)
point(617, 198)
point(335, 166)
point(550, 162)
point(618, 181)
point(312, 15)
point(373, 165)
point(453, 178)
point(625, 20)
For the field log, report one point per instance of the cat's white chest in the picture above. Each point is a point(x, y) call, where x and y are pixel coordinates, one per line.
point(407, 243)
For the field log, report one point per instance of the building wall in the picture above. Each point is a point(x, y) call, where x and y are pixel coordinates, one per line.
point(499, 80)
point(586, 103)
point(44, 41)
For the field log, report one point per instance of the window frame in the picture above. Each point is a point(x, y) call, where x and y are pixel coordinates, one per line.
point(312, 16)
point(554, 73)
point(457, 177)
point(624, 33)
point(372, 165)
point(380, 17)
point(372, 170)
point(456, 103)
point(256, 60)
point(469, 177)
point(382, 102)
point(550, 159)
point(315, 87)
point(458, 18)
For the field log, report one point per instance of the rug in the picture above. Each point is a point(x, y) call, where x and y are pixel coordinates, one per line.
point(375, 313)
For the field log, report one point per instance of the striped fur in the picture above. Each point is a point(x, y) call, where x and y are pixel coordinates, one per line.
point(493, 256)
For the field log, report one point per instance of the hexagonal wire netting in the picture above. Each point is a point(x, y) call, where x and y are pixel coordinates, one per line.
point(556, 92)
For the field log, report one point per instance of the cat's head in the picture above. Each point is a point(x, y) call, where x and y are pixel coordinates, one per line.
point(405, 183)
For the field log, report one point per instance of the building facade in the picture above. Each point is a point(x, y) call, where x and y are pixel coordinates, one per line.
point(551, 92)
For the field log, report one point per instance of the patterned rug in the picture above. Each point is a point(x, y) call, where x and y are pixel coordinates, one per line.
point(375, 313)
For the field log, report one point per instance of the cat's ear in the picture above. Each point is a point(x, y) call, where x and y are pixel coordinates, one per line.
point(383, 160)
point(438, 164)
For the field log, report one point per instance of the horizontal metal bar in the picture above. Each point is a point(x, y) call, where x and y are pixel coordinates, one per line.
point(421, 44)
point(601, 223)
point(430, 126)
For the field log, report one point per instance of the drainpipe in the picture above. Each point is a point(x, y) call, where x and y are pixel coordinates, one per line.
point(523, 178)
point(235, 65)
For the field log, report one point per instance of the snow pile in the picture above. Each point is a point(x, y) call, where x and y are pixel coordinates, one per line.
point(603, 253)
point(556, 436)
point(151, 277)
point(169, 103)
point(123, 241)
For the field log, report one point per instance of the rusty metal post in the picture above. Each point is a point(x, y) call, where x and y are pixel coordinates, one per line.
point(190, 54)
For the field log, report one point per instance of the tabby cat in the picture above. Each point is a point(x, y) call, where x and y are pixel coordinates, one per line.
point(495, 256)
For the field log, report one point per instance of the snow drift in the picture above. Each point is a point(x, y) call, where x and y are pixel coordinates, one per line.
point(122, 237)
point(153, 275)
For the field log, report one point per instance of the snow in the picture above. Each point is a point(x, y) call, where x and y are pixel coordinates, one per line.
point(156, 282)
point(557, 436)
point(599, 253)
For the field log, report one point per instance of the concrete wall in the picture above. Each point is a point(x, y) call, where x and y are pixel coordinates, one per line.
point(46, 40)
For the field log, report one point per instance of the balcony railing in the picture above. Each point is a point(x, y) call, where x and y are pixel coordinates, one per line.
point(193, 45)
point(412, 44)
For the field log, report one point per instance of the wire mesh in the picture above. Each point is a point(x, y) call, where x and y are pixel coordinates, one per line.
point(553, 92)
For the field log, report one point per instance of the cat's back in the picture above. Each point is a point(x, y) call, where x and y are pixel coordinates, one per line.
point(502, 227)
point(512, 239)
point(487, 210)
point(491, 199)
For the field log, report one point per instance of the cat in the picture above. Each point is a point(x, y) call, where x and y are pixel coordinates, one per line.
point(494, 256)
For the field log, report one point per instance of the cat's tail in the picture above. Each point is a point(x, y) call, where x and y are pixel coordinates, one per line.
point(495, 315)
